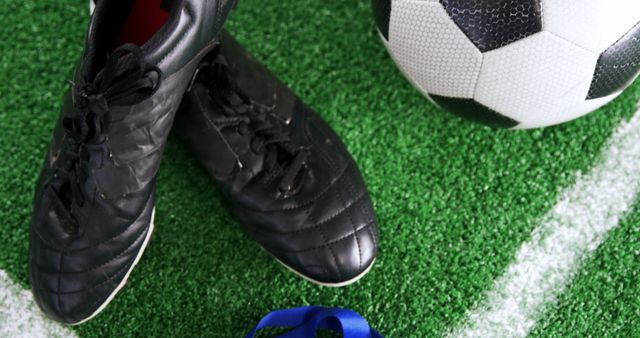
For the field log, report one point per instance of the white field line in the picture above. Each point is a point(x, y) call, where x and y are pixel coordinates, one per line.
point(567, 235)
point(20, 316)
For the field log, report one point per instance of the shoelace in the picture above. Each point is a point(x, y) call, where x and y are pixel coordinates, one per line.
point(124, 80)
point(269, 136)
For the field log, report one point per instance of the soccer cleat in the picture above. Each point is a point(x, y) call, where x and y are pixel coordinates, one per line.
point(288, 177)
point(94, 202)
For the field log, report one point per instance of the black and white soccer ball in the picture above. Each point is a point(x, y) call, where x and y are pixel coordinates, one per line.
point(514, 63)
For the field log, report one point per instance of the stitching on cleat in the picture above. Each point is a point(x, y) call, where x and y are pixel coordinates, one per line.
point(366, 226)
point(50, 247)
point(353, 226)
point(333, 254)
point(143, 235)
point(189, 12)
point(304, 204)
point(315, 225)
point(327, 220)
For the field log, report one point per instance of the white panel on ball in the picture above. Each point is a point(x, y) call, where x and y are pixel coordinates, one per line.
point(541, 80)
point(592, 24)
point(431, 50)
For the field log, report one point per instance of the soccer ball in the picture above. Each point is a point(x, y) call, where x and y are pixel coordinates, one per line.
point(514, 63)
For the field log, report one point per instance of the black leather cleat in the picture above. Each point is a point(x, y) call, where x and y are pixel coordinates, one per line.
point(287, 176)
point(94, 202)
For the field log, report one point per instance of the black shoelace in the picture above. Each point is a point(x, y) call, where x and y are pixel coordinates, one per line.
point(124, 80)
point(269, 135)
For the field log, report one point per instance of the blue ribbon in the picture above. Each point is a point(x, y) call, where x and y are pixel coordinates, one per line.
point(307, 320)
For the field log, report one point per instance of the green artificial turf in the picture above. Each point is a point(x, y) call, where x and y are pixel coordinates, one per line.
point(454, 199)
point(604, 298)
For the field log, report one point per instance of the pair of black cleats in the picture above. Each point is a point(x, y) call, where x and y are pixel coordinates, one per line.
point(286, 175)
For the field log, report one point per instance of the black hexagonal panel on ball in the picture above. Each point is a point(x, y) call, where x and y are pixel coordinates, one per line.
point(472, 110)
point(382, 15)
point(491, 24)
point(617, 66)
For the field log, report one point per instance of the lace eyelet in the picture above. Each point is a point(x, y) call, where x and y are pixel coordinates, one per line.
point(285, 190)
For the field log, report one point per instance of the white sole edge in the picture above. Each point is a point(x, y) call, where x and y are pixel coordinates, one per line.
point(124, 280)
point(331, 285)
